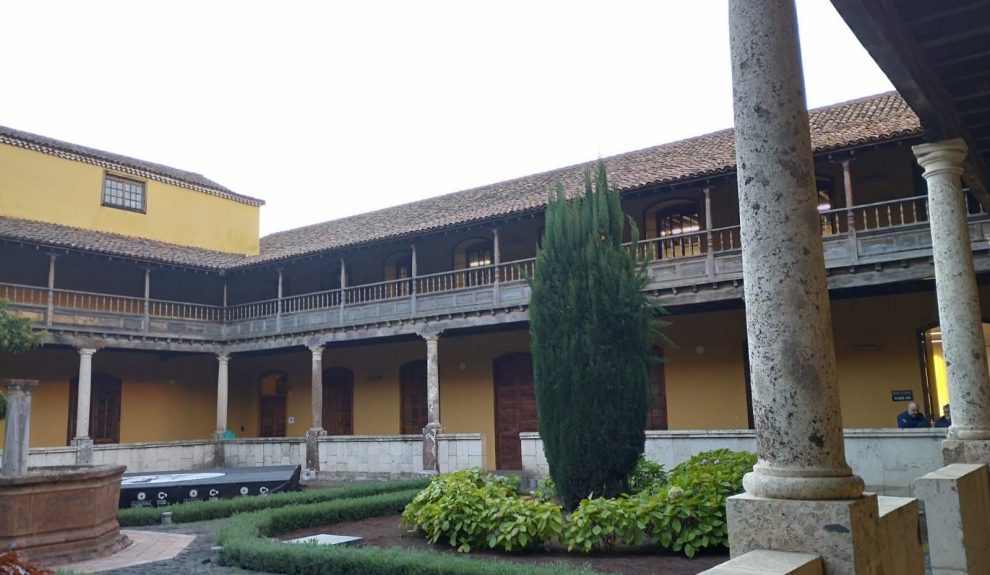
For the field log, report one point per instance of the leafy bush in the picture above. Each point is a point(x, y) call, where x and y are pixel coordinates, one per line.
point(472, 509)
point(722, 468)
point(647, 474)
point(205, 510)
point(246, 544)
point(11, 565)
point(600, 523)
point(546, 490)
point(684, 520)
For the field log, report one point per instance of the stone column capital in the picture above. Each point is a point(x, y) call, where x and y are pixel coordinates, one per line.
point(943, 156)
point(20, 385)
point(87, 351)
point(317, 351)
point(223, 357)
point(430, 334)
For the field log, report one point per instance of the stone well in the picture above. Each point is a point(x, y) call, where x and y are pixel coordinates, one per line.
point(57, 515)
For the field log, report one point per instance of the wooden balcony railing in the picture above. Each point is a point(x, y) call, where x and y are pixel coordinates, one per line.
point(706, 244)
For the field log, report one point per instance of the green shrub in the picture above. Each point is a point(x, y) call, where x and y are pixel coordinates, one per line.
point(246, 544)
point(647, 474)
point(205, 510)
point(722, 468)
point(600, 523)
point(546, 490)
point(684, 520)
point(469, 509)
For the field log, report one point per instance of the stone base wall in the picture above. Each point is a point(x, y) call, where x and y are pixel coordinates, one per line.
point(264, 452)
point(384, 456)
point(888, 460)
point(461, 451)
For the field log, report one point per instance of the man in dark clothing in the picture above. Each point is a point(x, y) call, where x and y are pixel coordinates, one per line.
point(912, 418)
point(946, 419)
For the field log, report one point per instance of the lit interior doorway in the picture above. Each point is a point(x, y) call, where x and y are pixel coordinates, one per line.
point(933, 369)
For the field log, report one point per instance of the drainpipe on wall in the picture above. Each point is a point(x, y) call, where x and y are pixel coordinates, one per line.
point(51, 289)
point(710, 252)
point(413, 266)
point(147, 295)
point(847, 183)
point(496, 257)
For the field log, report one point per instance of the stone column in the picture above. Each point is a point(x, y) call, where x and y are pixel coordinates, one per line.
point(801, 495)
point(433, 429)
point(968, 439)
point(18, 427)
point(788, 321)
point(316, 403)
point(82, 440)
point(51, 290)
point(222, 360)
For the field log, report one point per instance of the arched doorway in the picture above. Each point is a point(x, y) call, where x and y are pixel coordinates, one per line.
point(515, 407)
point(104, 408)
point(273, 389)
point(338, 401)
point(414, 412)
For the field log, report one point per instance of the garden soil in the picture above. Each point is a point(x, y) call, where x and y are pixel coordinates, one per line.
point(389, 532)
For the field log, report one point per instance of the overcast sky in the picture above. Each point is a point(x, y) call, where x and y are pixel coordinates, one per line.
point(327, 109)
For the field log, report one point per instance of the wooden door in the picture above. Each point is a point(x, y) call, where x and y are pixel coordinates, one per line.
point(515, 407)
point(338, 401)
point(414, 411)
point(656, 417)
point(273, 393)
point(104, 408)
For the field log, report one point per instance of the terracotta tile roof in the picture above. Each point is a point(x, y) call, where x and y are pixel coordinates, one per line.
point(43, 233)
point(872, 119)
point(119, 163)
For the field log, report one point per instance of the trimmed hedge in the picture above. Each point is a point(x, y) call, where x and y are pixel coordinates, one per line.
point(205, 510)
point(246, 544)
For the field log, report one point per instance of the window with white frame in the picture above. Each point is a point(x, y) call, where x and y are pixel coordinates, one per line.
point(124, 193)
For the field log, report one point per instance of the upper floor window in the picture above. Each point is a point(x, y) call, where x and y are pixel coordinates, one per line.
point(679, 218)
point(479, 256)
point(123, 193)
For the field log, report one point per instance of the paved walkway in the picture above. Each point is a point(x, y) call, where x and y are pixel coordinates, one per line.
point(145, 547)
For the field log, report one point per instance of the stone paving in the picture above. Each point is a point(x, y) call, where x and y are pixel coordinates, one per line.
point(193, 560)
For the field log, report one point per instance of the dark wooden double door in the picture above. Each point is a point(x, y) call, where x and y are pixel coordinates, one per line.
point(515, 405)
point(104, 408)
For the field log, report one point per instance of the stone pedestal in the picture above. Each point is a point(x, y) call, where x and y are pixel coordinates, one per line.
point(965, 451)
point(957, 509)
point(844, 533)
point(313, 451)
point(900, 535)
point(84, 450)
point(431, 447)
point(18, 426)
point(770, 563)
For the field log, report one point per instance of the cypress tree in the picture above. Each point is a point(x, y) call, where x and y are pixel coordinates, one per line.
point(591, 327)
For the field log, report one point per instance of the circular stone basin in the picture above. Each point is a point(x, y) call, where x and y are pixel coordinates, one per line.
point(58, 515)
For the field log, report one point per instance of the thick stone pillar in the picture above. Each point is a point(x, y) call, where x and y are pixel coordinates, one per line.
point(958, 303)
point(82, 440)
point(788, 321)
point(18, 427)
point(316, 403)
point(222, 360)
point(431, 460)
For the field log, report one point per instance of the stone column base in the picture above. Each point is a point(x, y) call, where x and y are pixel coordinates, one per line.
point(957, 509)
point(313, 452)
point(966, 451)
point(900, 535)
point(844, 533)
point(219, 453)
point(431, 447)
point(84, 450)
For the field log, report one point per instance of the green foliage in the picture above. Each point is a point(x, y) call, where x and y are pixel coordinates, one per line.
point(470, 509)
point(600, 523)
point(647, 474)
point(591, 327)
point(684, 520)
point(205, 510)
point(246, 544)
point(546, 489)
point(16, 334)
point(721, 468)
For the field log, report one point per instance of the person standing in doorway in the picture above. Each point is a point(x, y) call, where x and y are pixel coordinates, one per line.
point(912, 418)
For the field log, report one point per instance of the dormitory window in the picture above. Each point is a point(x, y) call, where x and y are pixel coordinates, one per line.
point(123, 193)
point(680, 218)
point(479, 256)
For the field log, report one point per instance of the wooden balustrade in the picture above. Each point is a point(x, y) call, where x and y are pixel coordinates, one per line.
point(876, 216)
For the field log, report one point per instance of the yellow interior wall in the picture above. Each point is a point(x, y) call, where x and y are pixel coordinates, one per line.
point(706, 385)
point(41, 187)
